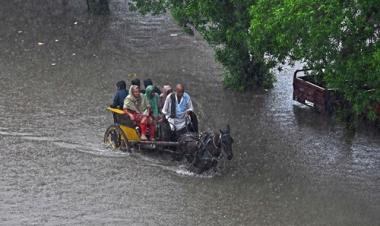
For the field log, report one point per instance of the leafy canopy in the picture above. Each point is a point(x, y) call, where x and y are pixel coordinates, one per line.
point(340, 39)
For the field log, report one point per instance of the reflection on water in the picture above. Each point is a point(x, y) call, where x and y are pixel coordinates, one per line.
point(58, 67)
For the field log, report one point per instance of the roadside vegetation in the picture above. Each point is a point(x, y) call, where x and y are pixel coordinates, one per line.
point(338, 39)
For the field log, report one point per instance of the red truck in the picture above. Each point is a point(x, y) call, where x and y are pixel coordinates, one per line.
point(322, 99)
point(311, 94)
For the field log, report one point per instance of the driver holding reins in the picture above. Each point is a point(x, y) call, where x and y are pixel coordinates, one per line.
point(176, 108)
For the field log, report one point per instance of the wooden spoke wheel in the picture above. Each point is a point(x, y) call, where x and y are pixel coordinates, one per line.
point(115, 138)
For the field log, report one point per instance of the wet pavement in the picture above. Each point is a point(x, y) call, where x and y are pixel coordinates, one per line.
point(58, 69)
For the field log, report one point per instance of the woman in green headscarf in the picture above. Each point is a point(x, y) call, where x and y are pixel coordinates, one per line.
point(153, 99)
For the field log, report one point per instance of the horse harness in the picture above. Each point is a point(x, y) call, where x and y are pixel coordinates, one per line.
point(204, 141)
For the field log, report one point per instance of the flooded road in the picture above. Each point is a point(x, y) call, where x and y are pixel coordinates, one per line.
point(58, 69)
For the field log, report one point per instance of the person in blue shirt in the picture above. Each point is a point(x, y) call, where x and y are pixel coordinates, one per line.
point(121, 94)
point(118, 100)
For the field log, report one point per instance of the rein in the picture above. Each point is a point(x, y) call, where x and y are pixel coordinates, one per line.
point(213, 141)
point(206, 140)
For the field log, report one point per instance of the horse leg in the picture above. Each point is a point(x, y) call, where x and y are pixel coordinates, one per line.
point(178, 153)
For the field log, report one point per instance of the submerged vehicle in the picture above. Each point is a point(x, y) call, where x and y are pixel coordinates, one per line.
point(308, 92)
point(316, 95)
point(201, 150)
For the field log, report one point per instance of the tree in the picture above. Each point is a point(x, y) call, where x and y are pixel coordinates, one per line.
point(224, 24)
point(340, 39)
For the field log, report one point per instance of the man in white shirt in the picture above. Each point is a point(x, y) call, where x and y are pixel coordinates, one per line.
point(176, 114)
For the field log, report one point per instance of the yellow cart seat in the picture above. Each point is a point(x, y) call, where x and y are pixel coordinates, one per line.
point(126, 124)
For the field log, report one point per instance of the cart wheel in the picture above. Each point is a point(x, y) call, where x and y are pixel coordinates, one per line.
point(124, 146)
point(115, 138)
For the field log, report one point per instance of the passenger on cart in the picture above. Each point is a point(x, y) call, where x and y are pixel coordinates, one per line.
point(177, 107)
point(153, 100)
point(118, 100)
point(149, 82)
point(138, 109)
point(166, 90)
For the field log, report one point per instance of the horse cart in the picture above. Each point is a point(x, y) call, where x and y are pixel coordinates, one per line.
point(201, 150)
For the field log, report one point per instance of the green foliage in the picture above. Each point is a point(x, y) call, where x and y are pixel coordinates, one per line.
point(224, 24)
point(149, 6)
point(338, 38)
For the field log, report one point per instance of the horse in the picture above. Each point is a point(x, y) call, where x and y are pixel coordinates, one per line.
point(203, 151)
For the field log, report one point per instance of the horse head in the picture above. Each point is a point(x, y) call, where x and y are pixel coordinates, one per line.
point(226, 142)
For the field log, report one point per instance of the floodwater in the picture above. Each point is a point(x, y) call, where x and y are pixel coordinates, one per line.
point(58, 68)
